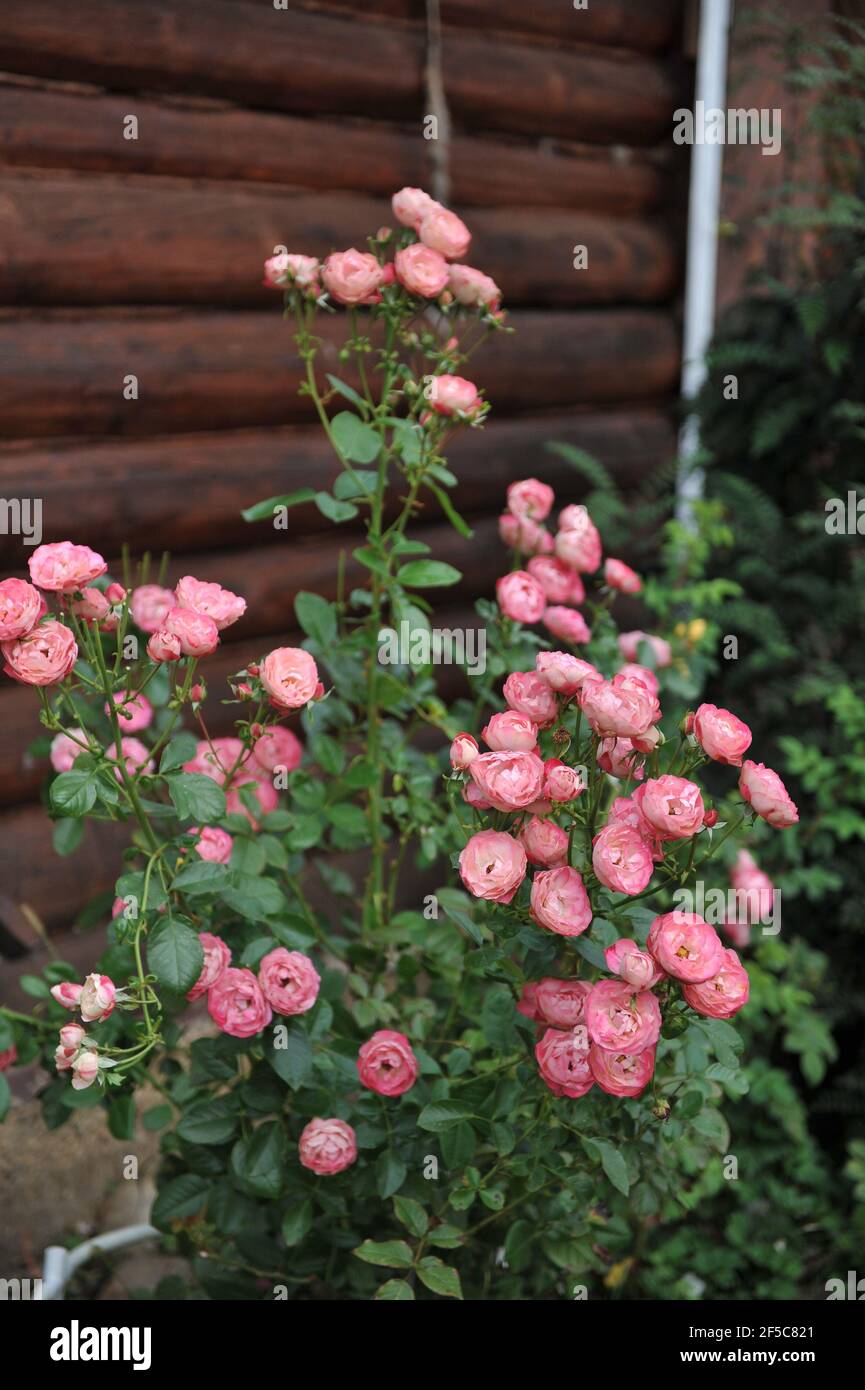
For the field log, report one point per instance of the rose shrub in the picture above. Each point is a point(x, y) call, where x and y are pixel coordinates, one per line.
point(396, 1084)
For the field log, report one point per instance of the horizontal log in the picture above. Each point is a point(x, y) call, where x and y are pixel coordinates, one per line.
point(325, 63)
point(140, 242)
point(626, 23)
point(108, 492)
point(58, 129)
point(63, 374)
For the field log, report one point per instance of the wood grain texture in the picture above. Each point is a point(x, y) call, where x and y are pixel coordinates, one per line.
point(54, 128)
point(323, 62)
point(61, 374)
point(128, 489)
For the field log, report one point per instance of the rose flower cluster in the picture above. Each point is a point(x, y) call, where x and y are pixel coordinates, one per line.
point(427, 266)
point(600, 811)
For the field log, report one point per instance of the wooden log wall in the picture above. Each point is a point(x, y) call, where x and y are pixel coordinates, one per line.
point(260, 125)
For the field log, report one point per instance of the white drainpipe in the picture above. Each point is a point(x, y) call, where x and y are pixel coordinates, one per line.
point(704, 203)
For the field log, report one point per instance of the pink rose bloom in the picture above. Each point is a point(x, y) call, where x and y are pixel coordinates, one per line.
point(212, 600)
point(473, 796)
point(621, 859)
point(464, 750)
point(493, 865)
point(511, 732)
point(289, 268)
point(65, 749)
point(67, 994)
point(620, 708)
point(236, 1004)
point(640, 673)
point(620, 1019)
point(91, 607)
point(290, 676)
point(352, 277)
point(578, 545)
point(217, 959)
point(754, 889)
point(421, 271)
point(560, 903)
point(452, 395)
point(545, 843)
point(327, 1146)
point(213, 845)
point(637, 967)
point(265, 796)
point(289, 981)
point(410, 206)
point(621, 1073)
point(217, 758)
point(619, 576)
point(671, 806)
point(765, 793)
point(562, 1003)
point(21, 607)
point(527, 1002)
point(65, 568)
point(629, 643)
point(134, 712)
point(164, 646)
point(721, 735)
point(685, 946)
point(724, 994)
point(197, 634)
point(136, 757)
point(444, 232)
point(386, 1063)
point(44, 656)
point(566, 624)
point(72, 1035)
point(277, 748)
point(520, 597)
point(529, 694)
point(9, 1056)
point(85, 1068)
point(619, 757)
point(521, 533)
point(64, 1057)
point(531, 498)
point(556, 580)
point(508, 781)
point(97, 999)
point(564, 672)
point(563, 1062)
point(150, 605)
point(562, 783)
point(472, 288)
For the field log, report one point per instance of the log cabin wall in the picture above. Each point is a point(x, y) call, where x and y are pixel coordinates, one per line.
point(257, 126)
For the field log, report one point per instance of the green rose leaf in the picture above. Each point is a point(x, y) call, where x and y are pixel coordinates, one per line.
point(196, 797)
point(354, 439)
point(439, 1277)
point(428, 574)
point(178, 1199)
point(264, 511)
point(396, 1254)
point(394, 1291)
point(174, 954)
point(258, 1162)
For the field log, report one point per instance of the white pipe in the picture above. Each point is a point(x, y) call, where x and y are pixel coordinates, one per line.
point(704, 203)
point(59, 1264)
